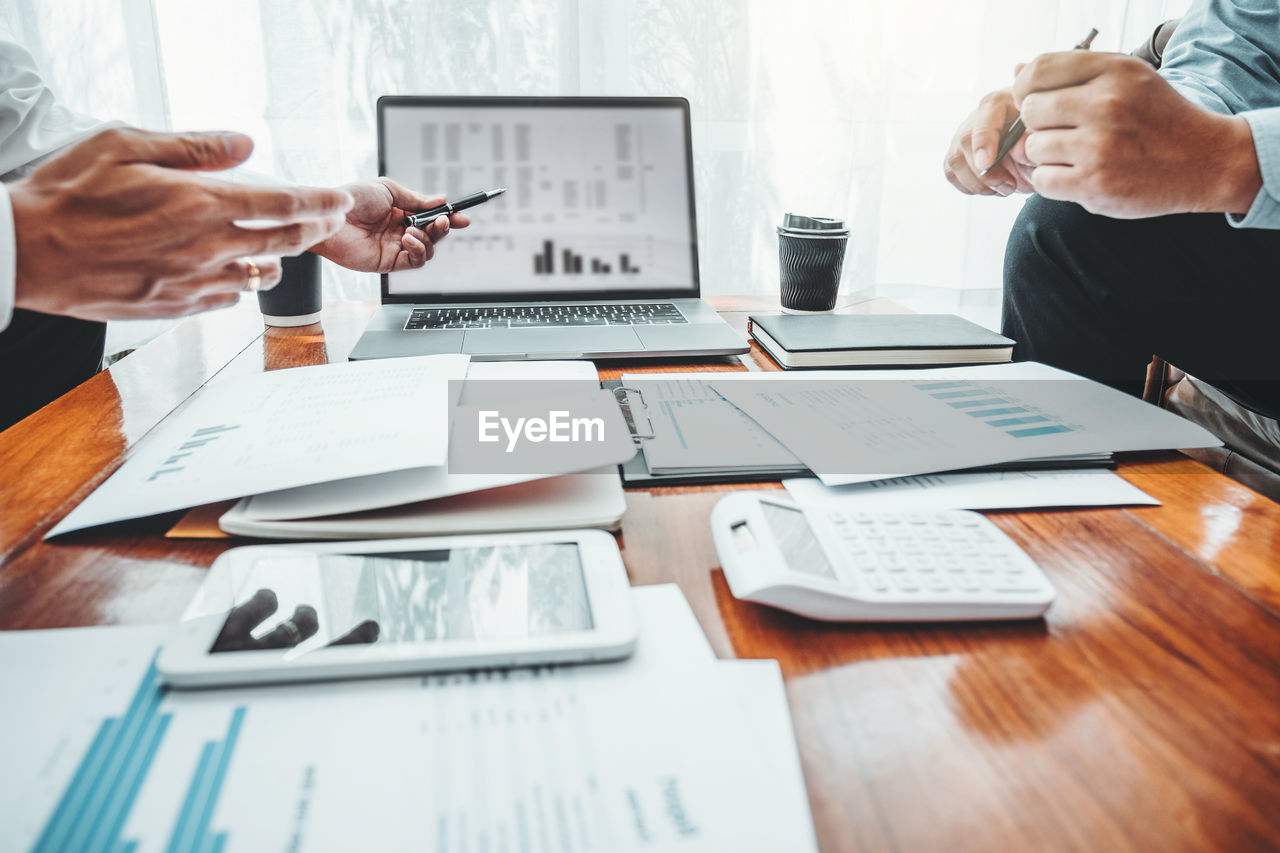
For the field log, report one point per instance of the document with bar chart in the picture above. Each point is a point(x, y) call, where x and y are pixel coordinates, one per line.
point(667, 751)
point(279, 430)
point(597, 197)
point(854, 427)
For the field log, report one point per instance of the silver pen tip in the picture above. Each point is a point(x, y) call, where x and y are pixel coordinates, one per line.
point(498, 191)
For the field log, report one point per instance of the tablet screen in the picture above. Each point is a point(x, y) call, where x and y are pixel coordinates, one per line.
point(306, 601)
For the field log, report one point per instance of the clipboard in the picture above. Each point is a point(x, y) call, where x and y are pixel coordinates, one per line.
point(635, 471)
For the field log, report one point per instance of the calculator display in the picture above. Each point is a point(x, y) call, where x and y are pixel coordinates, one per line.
point(800, 548)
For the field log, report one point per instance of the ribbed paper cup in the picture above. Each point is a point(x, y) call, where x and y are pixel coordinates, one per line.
point(810, 257)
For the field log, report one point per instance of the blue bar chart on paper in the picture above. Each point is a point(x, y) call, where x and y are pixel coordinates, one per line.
point(199, 438)
point(995, 409)
point(99, 756)
point(93, 810)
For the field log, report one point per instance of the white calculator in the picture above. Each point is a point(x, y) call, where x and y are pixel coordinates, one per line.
point(831, 564)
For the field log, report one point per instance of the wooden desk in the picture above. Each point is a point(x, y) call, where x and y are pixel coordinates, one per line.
point(1143, 713)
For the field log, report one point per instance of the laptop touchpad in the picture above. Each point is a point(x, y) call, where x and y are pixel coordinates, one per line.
point(382, 344)
point(587, 339)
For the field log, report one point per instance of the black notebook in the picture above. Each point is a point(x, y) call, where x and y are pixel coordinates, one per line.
point(876, 340)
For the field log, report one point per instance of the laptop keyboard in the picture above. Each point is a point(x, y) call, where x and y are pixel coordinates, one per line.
point(537, 316)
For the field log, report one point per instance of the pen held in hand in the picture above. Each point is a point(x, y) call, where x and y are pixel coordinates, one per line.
point(1015, 131)
point(419, 220)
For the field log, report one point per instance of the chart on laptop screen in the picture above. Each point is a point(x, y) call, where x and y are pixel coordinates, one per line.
point(597, 198)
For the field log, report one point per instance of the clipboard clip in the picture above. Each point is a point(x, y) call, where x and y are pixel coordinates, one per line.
point(629, 412)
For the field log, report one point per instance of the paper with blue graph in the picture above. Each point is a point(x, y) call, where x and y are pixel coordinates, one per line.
point(670, 750)
point(282, 429)
point(851, 427)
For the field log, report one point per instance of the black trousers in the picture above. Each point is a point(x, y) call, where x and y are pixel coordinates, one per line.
point(43, 357)
point(1100, 296)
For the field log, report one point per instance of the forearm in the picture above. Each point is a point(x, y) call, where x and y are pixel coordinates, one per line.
point(33, 126)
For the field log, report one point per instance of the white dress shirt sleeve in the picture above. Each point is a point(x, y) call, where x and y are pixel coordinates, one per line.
point(1265, 211)
point(8, 259)
point(1225, 56)
point(32, 126)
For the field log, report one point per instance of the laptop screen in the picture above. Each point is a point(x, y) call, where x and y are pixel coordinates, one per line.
point(599, 200)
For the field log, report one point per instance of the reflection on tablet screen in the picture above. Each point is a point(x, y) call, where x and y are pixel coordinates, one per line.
point(501, 592)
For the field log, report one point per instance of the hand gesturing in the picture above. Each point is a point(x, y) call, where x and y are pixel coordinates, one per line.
point(374, 237)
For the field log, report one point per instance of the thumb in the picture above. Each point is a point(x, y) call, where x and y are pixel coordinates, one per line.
point(407, 199)
point(206, 152)
point(988, 125)
point(986, 141)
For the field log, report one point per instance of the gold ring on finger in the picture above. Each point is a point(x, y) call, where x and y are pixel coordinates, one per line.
point(254, 282)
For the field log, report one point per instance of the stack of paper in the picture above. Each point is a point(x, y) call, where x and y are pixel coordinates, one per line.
point(356, 450)
point(855, 427)
point(669, 750)
point(976, 490)
point(897, 423)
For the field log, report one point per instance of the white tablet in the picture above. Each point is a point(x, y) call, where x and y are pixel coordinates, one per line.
point(302, 612)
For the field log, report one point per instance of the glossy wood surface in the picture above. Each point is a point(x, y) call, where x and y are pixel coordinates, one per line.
point(1142, 714)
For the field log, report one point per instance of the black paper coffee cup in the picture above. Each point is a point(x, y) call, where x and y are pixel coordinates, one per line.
point(295, 301)
point(810, 258)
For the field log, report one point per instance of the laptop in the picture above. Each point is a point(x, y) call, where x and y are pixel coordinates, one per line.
point(591, 253)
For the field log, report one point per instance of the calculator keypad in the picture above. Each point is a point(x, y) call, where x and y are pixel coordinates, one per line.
point(926, 554)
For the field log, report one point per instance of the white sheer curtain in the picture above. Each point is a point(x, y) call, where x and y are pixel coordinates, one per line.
point(830, 107)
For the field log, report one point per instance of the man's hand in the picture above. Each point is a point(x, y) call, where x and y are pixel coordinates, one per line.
point(974, 146)
point(1106, 131)
point(374, 237)
point(120, 226)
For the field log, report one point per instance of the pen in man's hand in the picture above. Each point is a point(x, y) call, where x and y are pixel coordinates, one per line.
point(1015, 131)
point(418, 220)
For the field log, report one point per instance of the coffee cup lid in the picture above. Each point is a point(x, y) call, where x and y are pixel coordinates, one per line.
point(795, 221)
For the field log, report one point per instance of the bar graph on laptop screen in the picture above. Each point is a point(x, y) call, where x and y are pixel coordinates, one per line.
point(597, 199)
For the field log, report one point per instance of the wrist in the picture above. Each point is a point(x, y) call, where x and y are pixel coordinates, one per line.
point(1239, 177)
point(27, 250)
point(321, 249)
